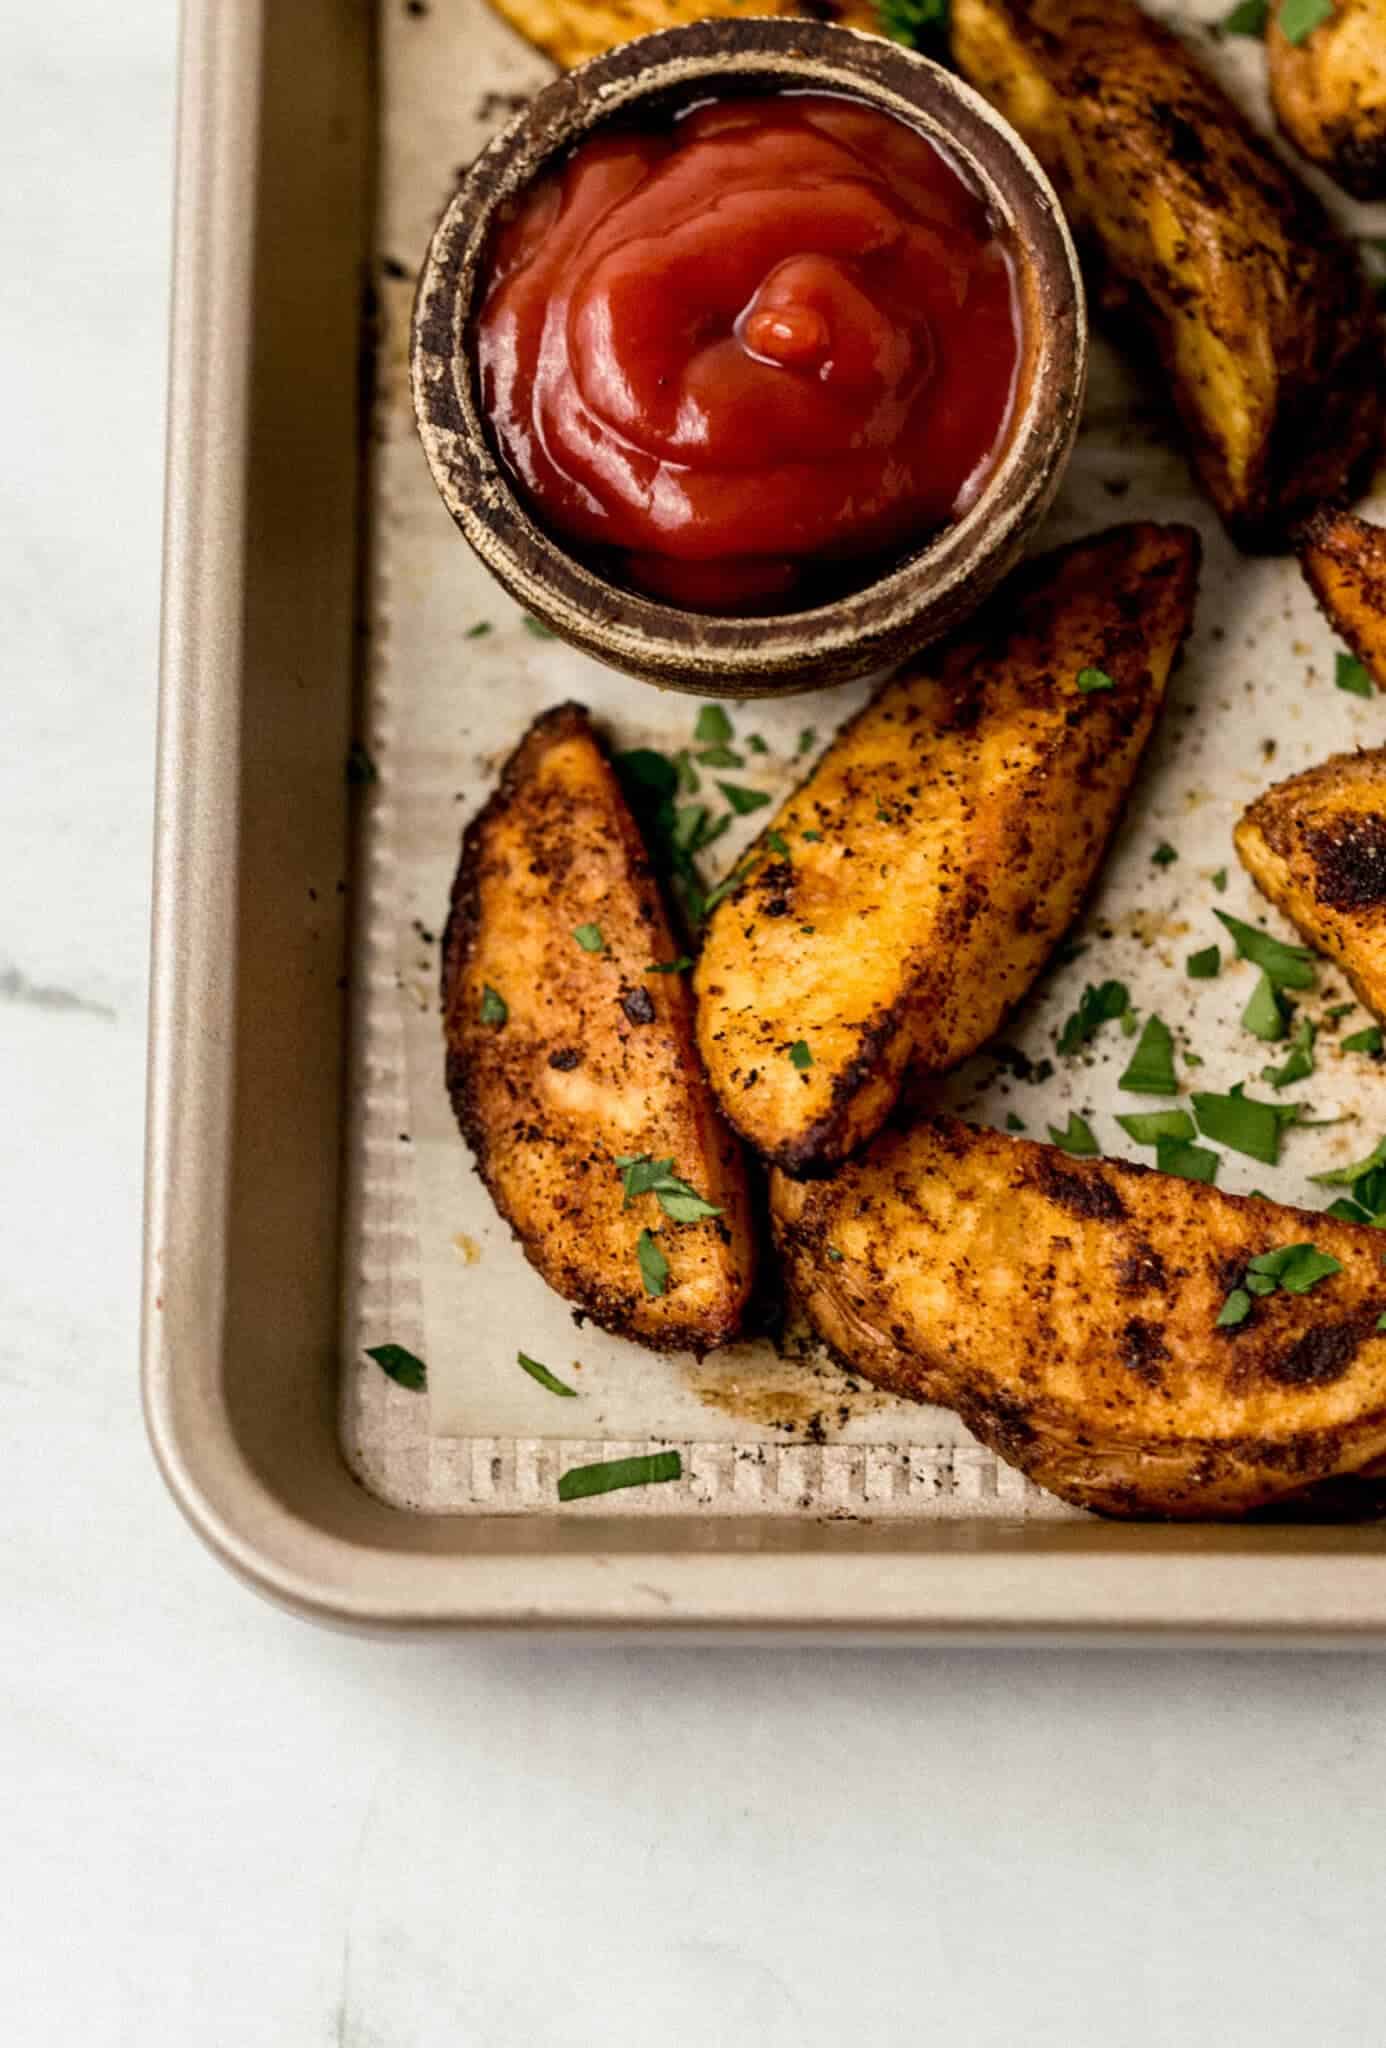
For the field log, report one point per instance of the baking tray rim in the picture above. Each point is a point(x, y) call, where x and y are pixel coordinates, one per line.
point(958, 1583)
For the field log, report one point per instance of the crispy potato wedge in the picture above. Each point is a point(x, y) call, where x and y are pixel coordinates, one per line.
point(1316, 846)
point(1329, 93)
point(1258, 308)
point(939, 848)
point(1344, 560)
point(571, 31)
point(595, 1058)
point(1067, 1309)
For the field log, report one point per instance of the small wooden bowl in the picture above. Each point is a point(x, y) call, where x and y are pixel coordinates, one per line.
point(870, 629)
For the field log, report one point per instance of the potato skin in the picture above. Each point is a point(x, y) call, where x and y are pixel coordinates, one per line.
point(1067, 1309)
point(1329, 93)
point(596, 1058)
point(1344, 561)
point(1258, 308)
point(1316, 846)
point(961, 816)
point(571, 31)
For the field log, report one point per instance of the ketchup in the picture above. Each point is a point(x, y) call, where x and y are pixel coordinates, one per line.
point(779, 335)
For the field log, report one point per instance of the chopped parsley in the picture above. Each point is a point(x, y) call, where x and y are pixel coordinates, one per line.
point(538, 628)
point(1299, 18)
point(654, 1267)
point(1150, 1127)
point(589, 937)
point(1351, 675)
point(545, 1378)
point(1243, 1124)
point(1295, 1268)
point(583, 1481)
point(755, 744)
point(835, 1255)
point(1164, 855)
point(402, 1366)
point(494, 1009)
point(808, 740)
point(479, 630)
point(1287, 966)
point(688, 779)
point(1340, 1010)
point(643, 1175)
point(1151, 1071)
point(1248, 19)
point(1186, 1161)
point(714, 728)
point(777, 842)
point(1300, 1063)
point(1218, 878)
point(1091, 680)
point(1234, 1310)
point(1096, 1006)
point(1264, 1015)
point(679, 966)
point(721, 757)
point(812, 836)
point(1364, 1041)
point(743, 800)
point(1351, 1176)
point(916, 23)
point(1206, 965)
point(799, 1055)
point(1076, 1137)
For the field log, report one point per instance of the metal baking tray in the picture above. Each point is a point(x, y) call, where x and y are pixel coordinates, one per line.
point(282, 1205)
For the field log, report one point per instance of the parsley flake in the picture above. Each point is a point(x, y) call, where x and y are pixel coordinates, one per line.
point(756, 744)
point(777, 842)
point(1299, 18)
point(1234, 1310)
point(915, 23)
point(537, 628)
point(721, 757)
point(1248, 19)
point(1351, 675)
point(808, 740)
point(1164, 855)
point(1300, 1064)
point(494, 1009)
point(402, 1366)
point(479, 631)
point(714, 728)
point(1243, 1124)
point(1149, 1127)
point(1364, 1041)
point(1091, 680)
point(545, 1378)
point(1186, 1161)
point(1076, 1137)
point(582, 1482)
point(1218, 878)
point(589, 937)
point(743, 800)
point(1287, 966)
point(1204, 966)
point(1013, 1122)
point(1151, 1071)
point(1264, 1015)
point(643, 1175)
point(799, 1055)
point(654, 1267)
point(812, 835)
point(1096, 1006)
point(679, 966)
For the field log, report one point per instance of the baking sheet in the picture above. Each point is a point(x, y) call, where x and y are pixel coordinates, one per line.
point(432, 1266)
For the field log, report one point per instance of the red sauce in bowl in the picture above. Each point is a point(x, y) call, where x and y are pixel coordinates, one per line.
point(779, 336)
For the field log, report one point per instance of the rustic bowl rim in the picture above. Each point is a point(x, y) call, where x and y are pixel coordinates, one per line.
point(867, 629)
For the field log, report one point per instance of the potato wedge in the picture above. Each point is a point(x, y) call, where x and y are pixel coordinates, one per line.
point(1344, 560)
point(594, 1058)
point(1329, 93)
point(1067, 1309)
point(1316, 846)
point(1258, 308)
point(571, 31)
point(939, 848)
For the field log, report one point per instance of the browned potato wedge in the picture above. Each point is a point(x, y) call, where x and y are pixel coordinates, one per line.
point(571, 31)
point(1067, 1309)
point(1316, 846)
point(1344, 560)
point(1329, 93)
point(594, 1059)
point(1258, 308)
point(939, 848)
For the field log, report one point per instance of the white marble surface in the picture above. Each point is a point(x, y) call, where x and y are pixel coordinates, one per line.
point(219, 1827)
